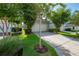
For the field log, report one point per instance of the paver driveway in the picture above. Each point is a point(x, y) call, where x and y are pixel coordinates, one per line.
point(63, 45)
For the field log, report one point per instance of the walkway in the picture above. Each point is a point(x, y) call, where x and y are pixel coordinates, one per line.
point(64, 46)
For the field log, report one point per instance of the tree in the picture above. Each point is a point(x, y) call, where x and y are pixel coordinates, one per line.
point(48, 10)
point(60, 16)
point(16, 18)
point(4, 13)
point(75, 19)
point(9, 13)
point(29, 14)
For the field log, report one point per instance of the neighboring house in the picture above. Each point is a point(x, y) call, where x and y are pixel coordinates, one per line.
point(68, 25)
point(44, 26)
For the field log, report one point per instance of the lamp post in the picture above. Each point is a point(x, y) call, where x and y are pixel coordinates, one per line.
point(41, 19)
point(40, 47)
point(40, 44)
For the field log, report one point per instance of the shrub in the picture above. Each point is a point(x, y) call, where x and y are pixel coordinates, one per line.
point(52, 30)
point(28, 31)
point(75, 30)
point(16, 30)
point(10, 46)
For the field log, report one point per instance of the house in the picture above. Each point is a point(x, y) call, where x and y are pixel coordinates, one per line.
point(44, 26)
point(68, 27)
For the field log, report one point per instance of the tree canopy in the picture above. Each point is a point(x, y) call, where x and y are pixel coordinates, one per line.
point(60, 16)
point(75, 18)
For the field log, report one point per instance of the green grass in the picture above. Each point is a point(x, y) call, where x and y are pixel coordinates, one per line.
point(30, 41)
point(69, 35)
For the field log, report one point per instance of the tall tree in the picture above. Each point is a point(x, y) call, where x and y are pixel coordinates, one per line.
point(60, 16)
point(29, 14)
point(4, 14)
point(75, 19)
point(8, 13)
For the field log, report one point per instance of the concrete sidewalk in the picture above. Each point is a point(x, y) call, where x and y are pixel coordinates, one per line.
point(63, 45)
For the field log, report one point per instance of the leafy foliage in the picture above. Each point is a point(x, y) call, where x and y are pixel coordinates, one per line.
point(29, 14)
point(60, 16)
point(75, 18)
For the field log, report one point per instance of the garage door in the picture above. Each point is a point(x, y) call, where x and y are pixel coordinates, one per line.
point(35, 27)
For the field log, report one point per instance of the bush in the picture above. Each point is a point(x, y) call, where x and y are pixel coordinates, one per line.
point(52, 30)
point(75, 30)
point(28, 31)
point(10, 46)
point(16, 29)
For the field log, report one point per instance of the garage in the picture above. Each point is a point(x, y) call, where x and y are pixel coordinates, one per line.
point(43, 27)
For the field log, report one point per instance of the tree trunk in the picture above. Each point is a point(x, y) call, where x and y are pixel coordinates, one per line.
point(57, 29)
point(3, 32)
point(3, 29)
point(15, 25)
point(6, 24)
point(11, 31)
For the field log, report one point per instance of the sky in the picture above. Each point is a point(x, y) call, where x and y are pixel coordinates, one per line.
point(73, 6)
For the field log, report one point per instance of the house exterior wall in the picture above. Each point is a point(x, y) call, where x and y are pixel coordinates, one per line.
point(40, 25)
point(76, 28)
point(35, 27)
point(51, 26)
point(68, 25)
point(43, 27)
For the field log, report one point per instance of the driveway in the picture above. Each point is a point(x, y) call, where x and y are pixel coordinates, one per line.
point(64, 46)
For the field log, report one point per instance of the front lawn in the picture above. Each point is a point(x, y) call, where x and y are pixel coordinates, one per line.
point(8, 46)
point(69, 35)
point(30, 41)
